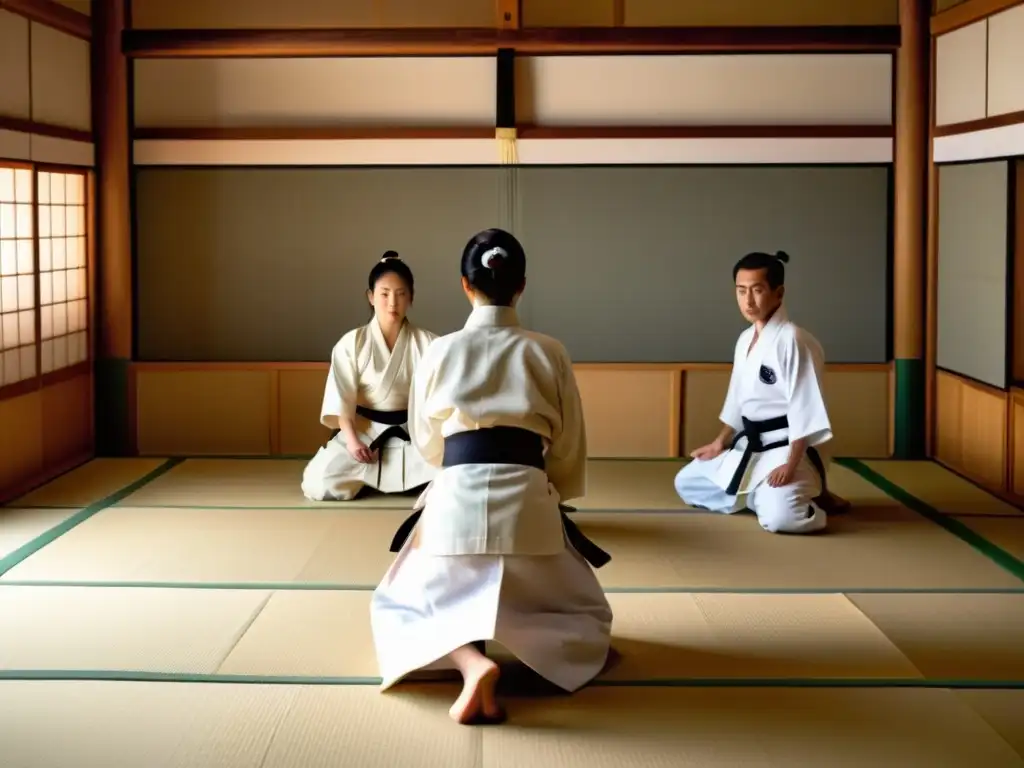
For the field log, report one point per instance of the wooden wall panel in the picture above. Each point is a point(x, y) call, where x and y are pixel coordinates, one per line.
point(67, 420)
point(703, 395)
point(1006, 62)
point(292, 14)
point(1016, 329)
point(300, 394)
point(859, 406)
point(858, 401)
point(44, 433)
point(960, 80)
point(61, 91)
point(753, 89)
point(203, 411)
point(631, 410)
point(630, 413)
point(21, 449)
point(651, 13)
point(569, 13)
point(15, 145)
point(948, 419)
point(314, 92)
point(1016, 474)
point(15, 98)
point(972, 430)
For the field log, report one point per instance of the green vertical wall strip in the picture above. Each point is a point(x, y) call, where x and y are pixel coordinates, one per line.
point(113, 424)
point(909, 410)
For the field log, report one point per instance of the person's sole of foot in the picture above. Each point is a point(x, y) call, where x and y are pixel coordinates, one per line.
point(476, 704)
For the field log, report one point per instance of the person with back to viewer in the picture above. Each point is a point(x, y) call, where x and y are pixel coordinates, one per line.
point(771, 448)
point(489, 555)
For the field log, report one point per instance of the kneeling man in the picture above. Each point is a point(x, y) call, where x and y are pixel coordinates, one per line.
point(776, 424)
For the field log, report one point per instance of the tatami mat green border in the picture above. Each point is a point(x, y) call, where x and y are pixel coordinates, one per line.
point(27, 550)
point(996, 554)
point(105, 675)
point(314, 586)
point(1001, 557)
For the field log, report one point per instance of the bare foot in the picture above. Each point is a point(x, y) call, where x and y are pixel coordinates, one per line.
point(477, 702)
point(832, 504)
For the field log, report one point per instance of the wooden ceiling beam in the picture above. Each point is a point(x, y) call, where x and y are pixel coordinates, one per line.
point(218, 43)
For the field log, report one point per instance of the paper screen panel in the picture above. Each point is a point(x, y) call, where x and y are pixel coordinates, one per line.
point(17, 277)
point(63, 279)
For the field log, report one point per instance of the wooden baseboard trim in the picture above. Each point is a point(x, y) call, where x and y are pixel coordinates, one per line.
point(47, 476)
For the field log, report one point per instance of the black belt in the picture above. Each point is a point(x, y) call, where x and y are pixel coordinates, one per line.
point(503, 445)
point(753, 431)
point(395, 419)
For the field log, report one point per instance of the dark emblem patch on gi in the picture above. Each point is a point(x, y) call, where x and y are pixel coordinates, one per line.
point(767, 375)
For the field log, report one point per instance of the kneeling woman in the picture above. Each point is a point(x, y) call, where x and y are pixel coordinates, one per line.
point(489, 555)
point(366, 397)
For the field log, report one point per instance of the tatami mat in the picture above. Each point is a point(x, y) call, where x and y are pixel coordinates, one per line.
point(154, 630)
point(657, 636)
point(19, 526)
point(1007, 533)
point(89, 483)
point(246, 483)
point(252, 483)
point(869, 549)
point(608, 728)
point(944, 490)
point(970, 637)
point(876, 547)
point(1003, 710)
point(204, 545)
point(124, 725)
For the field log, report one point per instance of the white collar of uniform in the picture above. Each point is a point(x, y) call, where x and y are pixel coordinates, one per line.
point(778, 319)
point(378, 333)
point(489, 315)
point(772, 327)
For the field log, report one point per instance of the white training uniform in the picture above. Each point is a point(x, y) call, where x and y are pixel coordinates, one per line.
point(780, 376)
point(364, 372)
point(489, 558)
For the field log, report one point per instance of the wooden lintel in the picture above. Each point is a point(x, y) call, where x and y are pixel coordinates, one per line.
point(179, 43)
point(24, 125)
point(524, 131)
point(52, 14)
point(967, 13)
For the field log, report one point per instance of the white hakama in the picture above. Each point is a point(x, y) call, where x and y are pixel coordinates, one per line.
point(366, 377)
point(775, 397)
point(489, 558)
point(549, 611)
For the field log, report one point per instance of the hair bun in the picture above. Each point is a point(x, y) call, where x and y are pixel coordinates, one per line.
point(782, 256)
point(493, 258)
point(388, 255)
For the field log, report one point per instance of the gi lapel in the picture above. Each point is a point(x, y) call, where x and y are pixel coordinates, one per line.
point(393, 360)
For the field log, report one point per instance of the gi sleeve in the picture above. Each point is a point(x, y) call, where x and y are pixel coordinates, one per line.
point(424, 430)
point(566, 460)
point(342, 386)
point(803, 364)
point(732, 414)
